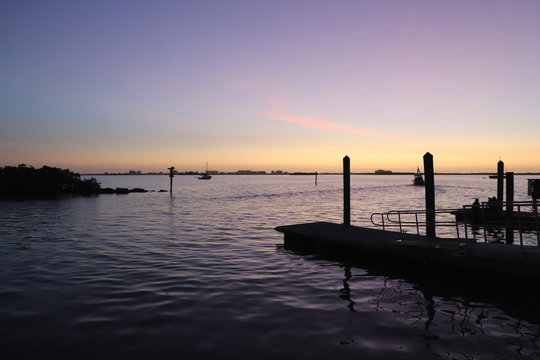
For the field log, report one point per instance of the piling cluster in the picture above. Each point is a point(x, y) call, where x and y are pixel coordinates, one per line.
point(430, 195)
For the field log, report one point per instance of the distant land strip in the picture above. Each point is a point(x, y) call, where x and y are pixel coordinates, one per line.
point(296, 173)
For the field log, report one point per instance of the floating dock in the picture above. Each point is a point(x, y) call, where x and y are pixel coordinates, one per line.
point(393, 247)
point(466, 258)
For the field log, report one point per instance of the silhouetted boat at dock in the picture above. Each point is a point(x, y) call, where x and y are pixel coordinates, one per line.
point(488, 214)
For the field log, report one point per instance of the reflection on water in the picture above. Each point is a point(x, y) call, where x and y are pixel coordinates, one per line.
point(202, 274)
point(346, 290)
point(449, 320)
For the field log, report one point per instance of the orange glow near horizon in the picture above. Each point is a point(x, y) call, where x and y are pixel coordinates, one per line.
point(306, 159)
point(323, 154)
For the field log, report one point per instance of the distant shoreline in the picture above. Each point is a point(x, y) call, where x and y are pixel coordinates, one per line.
point(304, 173)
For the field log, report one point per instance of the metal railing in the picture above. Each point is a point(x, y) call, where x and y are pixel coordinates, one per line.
point(489, 217)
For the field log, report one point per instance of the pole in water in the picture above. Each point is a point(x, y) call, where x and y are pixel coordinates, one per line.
point(315, 178)
point(500, 182)
point(430, 194)
point(509, 207)
point(171, 175)
point(346, 191)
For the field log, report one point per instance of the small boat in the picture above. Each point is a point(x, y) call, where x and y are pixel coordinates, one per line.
point(418, 179)
point(206, 175)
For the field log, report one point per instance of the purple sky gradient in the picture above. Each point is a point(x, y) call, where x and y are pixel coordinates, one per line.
point(115, 85)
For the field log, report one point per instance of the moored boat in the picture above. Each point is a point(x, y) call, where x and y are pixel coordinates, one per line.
point(206, 175)
point(418, 179)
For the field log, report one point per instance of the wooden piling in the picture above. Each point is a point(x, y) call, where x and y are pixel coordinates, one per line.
point(430, 195)
point(171, 175)
point(509, 207)
point(500, 181)
point(346, 191)
point(316, 173)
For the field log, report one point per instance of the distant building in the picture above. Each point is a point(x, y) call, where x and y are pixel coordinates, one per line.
point(277, 172)
point(213, 172)
point(134, 172)
point(250, 172)
point(383, 172)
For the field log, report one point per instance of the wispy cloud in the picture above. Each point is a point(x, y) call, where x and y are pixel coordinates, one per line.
point(327, 125)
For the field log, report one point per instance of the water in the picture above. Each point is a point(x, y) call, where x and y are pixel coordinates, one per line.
point(202, 274)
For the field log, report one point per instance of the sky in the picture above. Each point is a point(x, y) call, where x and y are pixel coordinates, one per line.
point(98, 86)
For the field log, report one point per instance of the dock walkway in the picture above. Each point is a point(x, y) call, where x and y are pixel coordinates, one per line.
point(392, 246)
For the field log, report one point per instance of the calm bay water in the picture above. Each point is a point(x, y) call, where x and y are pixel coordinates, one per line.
point(203, 274)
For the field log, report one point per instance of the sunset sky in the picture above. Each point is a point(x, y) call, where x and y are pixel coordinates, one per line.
point(100, 86)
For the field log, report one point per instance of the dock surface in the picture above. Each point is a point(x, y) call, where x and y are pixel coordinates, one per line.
point(392, 246)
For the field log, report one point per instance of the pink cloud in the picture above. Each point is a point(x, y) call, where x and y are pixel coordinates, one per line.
point(327, 125)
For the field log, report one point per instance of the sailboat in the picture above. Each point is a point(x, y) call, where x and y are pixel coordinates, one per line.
point(206, 175)
point(418, 179)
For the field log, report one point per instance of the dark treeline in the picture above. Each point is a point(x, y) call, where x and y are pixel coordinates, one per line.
point(23, 180)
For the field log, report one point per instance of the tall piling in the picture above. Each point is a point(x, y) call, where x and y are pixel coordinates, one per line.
point(500, 181)
point(171, 175)
point(430, 194)
point(346, 191)
point(509, 207)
